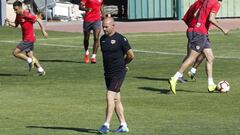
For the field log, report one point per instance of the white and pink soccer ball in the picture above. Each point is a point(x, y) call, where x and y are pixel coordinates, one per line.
point(223, 86)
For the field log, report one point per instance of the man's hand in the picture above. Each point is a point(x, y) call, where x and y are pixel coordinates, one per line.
point(225, 31)
point(45, 34)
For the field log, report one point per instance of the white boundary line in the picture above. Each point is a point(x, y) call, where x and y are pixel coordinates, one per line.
point(135, 50)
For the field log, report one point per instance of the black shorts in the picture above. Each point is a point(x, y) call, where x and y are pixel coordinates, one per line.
point(199, 42)
point(88, 26)
point(189, 37)
point(25, 46)
point(114, 81)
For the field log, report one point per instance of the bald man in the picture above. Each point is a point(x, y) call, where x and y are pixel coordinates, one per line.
point(117, 53)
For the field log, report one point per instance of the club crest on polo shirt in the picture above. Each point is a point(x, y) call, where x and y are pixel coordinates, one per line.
point(113, 42)
point(197, 47)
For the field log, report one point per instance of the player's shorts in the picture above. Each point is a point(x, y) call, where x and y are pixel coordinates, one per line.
point(114, 81)
point(88, 26)
point(25, 46)
point(199, 42)
point(189, 37)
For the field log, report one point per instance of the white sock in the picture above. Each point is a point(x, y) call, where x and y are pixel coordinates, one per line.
point(193, 70)
point(106, 124)
point(210, 81)
point(94, 56)
point(29, 60)
point(87, 52)
point(124, 124)
point(40, 69)
point(177, 75)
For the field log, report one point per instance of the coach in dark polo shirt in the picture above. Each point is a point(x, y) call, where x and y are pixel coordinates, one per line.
point(117, 53)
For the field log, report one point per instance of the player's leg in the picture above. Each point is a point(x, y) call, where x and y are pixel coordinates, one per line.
point(110, 95)
point(189, 37)
point(193, 70)
point(96, 34)
point(17, 52)
point(40, 70)
point(209, 68)
point(86, 35)
point(120, 114)
point(189, 61)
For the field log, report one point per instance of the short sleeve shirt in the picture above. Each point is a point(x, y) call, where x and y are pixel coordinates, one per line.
point(95, 14)
point(26, 21)
point(114, 49)
point(202, 25)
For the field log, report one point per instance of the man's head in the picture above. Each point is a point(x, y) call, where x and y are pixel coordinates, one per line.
point(17, 7)
point(108, 26)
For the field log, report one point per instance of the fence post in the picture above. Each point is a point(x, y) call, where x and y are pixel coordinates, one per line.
point(2, 12)
point(179, 11)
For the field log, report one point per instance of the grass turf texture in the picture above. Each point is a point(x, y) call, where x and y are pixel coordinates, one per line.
point(70, 99)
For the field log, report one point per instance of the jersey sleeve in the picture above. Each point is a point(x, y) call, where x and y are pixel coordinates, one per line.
point(216, 8)
point(83, 2)
point(28, 16)
point(125, 44)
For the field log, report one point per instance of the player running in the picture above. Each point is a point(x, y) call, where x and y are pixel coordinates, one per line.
point(190, 20)
point(200, 42)
point(26, 20)
point(92, 21)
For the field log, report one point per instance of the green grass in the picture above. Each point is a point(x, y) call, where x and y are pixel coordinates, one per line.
point(70, 99)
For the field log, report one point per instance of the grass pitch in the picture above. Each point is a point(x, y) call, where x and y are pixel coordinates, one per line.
point(70, 99)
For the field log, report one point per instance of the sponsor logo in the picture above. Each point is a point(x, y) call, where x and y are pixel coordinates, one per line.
point(197, 47)
point(113, 41)
point(198, 24)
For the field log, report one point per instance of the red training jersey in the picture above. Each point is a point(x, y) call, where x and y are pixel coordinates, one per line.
point(95, 14)
point(203, 24)
point(189, 17)
point(26, 21)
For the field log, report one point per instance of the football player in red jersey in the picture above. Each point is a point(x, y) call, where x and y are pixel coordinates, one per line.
point(92, 21)
point(26, 20)
point(200, 42)
point(191, 20)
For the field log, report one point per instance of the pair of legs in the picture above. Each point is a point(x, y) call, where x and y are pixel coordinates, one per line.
point(198, 60)
point(28, 56)
point(96, 34)
point(114, 104)
point(96, 27)
point(200, 45)
point(193, 57)
point(113, 99)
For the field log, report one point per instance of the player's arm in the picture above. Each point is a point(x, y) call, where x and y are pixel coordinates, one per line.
point(103, 13)
point(83, 7)
point(42, 27)
point(129, 56)
point(10, 23)
point(212, 19)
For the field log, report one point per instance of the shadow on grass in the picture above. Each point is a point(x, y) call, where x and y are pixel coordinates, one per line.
point(152, 78)
point(167, 91)
point(162, 91)
point(67, 61)
point(7, 74)
point(85, 130)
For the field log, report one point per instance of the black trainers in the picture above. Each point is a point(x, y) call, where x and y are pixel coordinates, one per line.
point(182, 80)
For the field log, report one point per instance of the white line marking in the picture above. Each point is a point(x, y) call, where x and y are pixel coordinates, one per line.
point(135, 50)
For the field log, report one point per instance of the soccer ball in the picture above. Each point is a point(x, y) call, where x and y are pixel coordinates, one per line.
point(223, 86)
